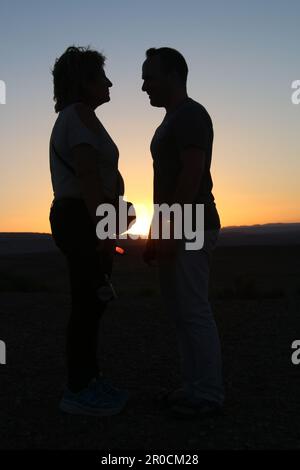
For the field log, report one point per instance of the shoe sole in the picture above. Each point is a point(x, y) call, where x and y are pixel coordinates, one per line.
point(69, 407)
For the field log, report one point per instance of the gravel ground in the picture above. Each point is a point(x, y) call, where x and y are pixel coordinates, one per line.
point(138, 351)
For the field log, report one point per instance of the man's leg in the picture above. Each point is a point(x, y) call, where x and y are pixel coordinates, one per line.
point(184, 286)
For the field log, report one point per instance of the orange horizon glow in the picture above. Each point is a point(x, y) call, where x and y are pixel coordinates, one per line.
point(144, 217)
point(26, 222)
point(243, 195)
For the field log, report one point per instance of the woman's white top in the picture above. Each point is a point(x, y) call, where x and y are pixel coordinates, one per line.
point(69, 131)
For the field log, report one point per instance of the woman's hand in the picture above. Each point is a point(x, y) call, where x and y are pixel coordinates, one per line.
point(126, 209)
point(105, 249)
point(105, 246)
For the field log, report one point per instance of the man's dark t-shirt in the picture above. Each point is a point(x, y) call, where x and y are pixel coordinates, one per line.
point(189, 124)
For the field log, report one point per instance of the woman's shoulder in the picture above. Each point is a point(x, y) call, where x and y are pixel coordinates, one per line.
point(87, 117)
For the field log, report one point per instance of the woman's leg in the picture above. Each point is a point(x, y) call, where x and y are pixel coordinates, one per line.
point(82, 330)
point(75, 236)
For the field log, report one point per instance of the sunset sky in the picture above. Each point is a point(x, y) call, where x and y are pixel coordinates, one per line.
point(242, 56)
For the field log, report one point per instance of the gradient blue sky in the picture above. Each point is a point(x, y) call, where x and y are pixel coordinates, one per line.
point(242, 57)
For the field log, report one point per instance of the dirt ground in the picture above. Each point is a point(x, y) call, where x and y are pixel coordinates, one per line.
point(138, 351)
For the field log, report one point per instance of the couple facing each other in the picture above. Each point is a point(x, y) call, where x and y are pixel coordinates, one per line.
point(84, 174)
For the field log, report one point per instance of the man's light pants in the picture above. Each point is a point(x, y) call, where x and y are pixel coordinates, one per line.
point(184, 288)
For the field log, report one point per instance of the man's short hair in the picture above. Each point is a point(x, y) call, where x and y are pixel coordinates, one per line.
point(71, 72)
point(171, 60)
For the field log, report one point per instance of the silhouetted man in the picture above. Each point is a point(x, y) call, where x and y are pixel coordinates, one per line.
point(181, 150)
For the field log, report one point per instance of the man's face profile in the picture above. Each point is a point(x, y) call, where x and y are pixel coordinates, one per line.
point(156, 82)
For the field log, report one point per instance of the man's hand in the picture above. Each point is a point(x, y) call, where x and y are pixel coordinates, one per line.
point(150, 252)
point(167, 249)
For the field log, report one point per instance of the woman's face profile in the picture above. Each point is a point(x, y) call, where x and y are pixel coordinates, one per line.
point(98, 88)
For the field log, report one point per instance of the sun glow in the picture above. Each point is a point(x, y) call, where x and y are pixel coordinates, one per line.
point(143, 220)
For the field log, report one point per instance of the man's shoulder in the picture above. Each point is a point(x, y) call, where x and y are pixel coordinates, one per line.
point(197, 108)
point(192, 110)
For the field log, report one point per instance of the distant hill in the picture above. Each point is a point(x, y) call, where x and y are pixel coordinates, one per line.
point(266, 234)
point(25, 242)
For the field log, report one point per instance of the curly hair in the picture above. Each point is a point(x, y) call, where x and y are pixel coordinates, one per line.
point(71, 72)
point(171, 60)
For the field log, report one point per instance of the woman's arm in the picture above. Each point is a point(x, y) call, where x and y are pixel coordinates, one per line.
point(85, 159)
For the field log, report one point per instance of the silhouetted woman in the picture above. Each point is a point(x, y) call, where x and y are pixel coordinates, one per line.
point(84, 174)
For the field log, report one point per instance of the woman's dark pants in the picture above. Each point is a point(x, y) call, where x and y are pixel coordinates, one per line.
point(75, 235)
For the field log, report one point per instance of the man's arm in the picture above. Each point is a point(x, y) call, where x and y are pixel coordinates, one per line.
point(149, 254)
point(193, 161)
